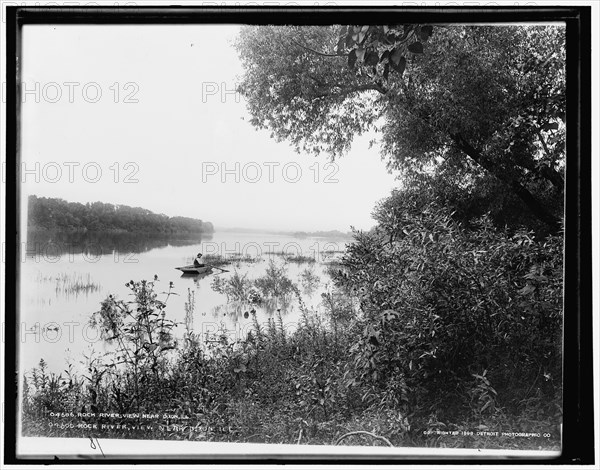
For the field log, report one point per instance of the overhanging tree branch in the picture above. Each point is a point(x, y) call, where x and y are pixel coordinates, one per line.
point(521, 191)
point(517, 188)
point(544, 171)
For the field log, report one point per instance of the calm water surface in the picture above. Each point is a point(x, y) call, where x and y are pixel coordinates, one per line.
point(54, 311)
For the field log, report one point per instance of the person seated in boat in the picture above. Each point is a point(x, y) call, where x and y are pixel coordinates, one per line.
point(198, 261)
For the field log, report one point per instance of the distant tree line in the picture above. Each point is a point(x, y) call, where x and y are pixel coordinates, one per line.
point(58, 214)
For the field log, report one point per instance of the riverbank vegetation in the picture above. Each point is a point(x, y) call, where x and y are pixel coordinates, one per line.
point(450, 330)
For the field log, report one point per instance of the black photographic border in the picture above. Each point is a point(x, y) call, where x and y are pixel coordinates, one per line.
point(578, 412)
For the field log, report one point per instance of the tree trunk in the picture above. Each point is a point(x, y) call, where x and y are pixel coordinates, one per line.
point(517, 188)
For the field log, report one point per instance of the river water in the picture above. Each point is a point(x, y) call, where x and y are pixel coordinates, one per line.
point(64, 278)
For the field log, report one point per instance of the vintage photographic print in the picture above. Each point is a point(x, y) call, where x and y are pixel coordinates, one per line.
point(243, 232)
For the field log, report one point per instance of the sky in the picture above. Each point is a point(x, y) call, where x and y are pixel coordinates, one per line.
point(147, 116)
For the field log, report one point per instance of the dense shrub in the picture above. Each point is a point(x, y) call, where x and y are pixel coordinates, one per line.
point(442, 305)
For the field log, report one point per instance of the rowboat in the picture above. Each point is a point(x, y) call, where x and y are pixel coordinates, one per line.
point(191, 269)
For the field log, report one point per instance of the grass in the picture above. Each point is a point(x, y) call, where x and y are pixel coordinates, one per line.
point(236, 258)
point(292, 258)
point(70, 283)
point(273, 386)
point(299, 259)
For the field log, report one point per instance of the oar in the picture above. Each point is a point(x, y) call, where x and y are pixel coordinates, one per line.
point(216, 267)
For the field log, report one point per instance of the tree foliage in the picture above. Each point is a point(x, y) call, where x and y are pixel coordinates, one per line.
point(482, 105)
point(300, 95)
point(57, 214)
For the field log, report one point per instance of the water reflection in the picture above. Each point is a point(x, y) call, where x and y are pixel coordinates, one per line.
point(237, 311)
point(51, 245)
point(196, 278)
